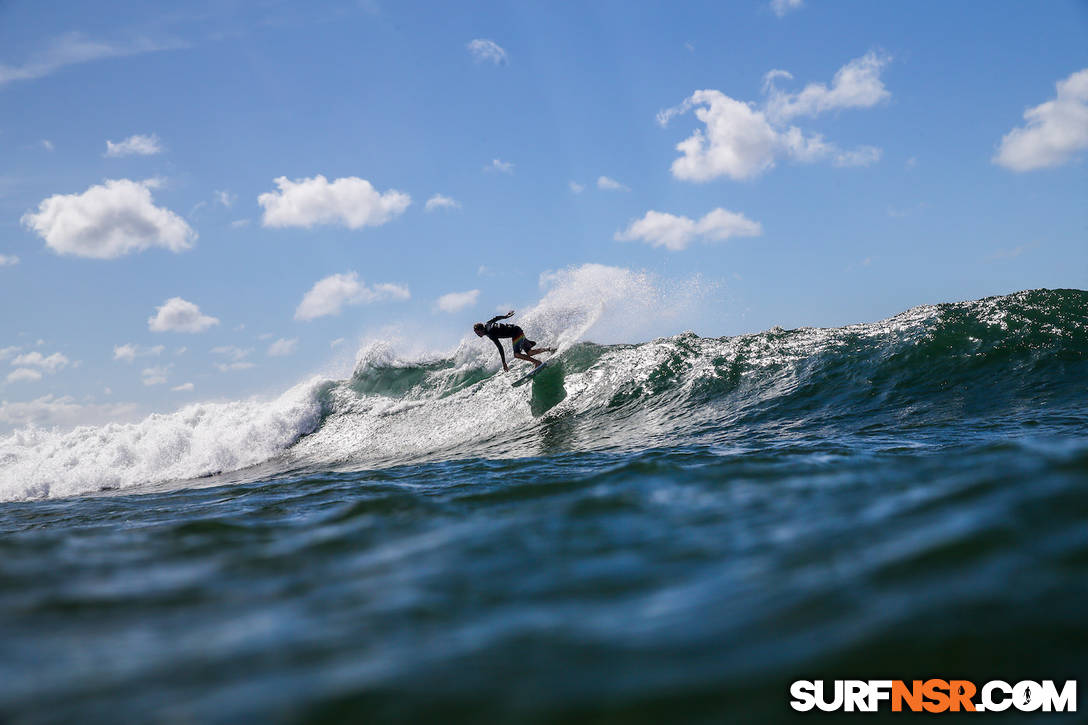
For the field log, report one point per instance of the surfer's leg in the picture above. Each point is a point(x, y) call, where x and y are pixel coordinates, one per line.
point(541, 349)
point(524, 356)
point(523, 350)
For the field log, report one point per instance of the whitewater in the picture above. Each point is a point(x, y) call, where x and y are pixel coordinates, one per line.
point(396, 409)
point(361, 421)
point(669, 529)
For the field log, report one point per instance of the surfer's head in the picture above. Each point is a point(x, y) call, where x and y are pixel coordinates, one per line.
point(479, 329)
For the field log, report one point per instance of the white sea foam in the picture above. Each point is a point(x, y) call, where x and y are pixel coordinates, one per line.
point(609, 304)
point(196, 440)
point(627, 396)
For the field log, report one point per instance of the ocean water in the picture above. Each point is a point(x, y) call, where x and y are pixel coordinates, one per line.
point(669, 531)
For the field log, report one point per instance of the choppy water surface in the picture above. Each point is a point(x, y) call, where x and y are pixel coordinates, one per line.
point(670, 531)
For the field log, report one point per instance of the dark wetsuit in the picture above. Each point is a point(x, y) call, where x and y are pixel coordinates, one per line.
point(495, 330)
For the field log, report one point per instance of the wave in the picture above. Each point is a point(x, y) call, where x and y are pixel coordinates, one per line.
point(931, 368)
point(197, 440)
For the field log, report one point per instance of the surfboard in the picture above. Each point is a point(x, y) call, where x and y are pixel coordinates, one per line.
point(529, 376)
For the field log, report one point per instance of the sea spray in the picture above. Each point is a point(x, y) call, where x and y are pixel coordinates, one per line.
point(197, 440)
point(610, 305)
point(932, 366)
point(381, 409)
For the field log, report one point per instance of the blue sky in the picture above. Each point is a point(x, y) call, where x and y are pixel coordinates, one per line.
point(149, 257)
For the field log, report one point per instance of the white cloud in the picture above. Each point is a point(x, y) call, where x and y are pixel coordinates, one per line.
point(50, 364)
point(226, 198)
point(742, 140)
point(350, 201)
point(8, 260)
point(337, 342)
point(129, 351)
point(502, 167)
point(126, 352)
point(487, 50)
point(673, 232)
point(772, 75)
point(330, 294)
point(178, 315)
point(155, 375)
point(739, 141)
point(441, 202)
point(856, 85)
point(49, 410)
point(603, 182)
point(136, 145)
point(183, 388)
point(47, 144)
point(283, 347)
point(781, 7)
point(1012, 253)
point(107, 221)
point(232, 352)
point(235, 358)
point(1055, 130)
point(6, 352)
point(861, 156)
point(24, 375)
point(71, 49)
point(576, 187)
point(455, 301)
point(239, 223)
point(239, 365)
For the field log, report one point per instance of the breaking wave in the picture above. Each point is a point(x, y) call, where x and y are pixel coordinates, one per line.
point(934, 368)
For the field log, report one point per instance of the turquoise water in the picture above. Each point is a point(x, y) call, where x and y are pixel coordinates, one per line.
point(669, 531)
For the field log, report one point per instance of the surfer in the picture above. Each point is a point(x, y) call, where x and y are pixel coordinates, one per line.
point(523, 346)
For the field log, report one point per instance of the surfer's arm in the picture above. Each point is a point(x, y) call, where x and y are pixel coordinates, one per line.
point(496, 318)
point(502, 353)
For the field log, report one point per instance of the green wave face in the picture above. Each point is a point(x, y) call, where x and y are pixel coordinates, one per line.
point(930, 373)
point(1019, 354)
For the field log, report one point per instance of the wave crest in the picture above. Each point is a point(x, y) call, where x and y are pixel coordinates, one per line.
point(937, 366)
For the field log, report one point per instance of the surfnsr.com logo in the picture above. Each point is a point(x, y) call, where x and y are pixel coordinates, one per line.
point(933, 696)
